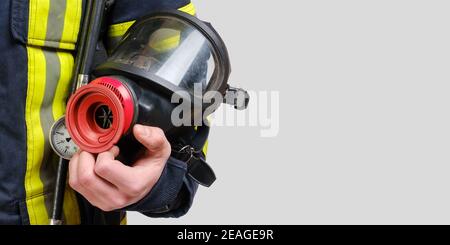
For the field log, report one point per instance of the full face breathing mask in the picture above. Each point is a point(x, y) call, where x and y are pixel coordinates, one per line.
point(163, 54)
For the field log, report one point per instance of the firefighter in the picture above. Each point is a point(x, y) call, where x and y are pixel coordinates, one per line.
point(38, 42)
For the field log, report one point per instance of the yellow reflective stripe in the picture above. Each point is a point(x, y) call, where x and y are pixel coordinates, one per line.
point(72, 22)
point(70, 209)
point(49, 75)
point(124, 220)
point(190, 9)
point(118, 30)
point(170, 39)
point(34, 187)
point(35, 137)
point(37, 22)
point(205, 148)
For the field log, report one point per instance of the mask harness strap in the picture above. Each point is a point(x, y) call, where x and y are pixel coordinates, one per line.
point(197, 168)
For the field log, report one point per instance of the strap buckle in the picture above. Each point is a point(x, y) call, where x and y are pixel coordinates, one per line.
point(197, 168)
point(237, 97)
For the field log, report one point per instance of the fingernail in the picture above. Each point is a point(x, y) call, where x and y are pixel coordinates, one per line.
point(143, 131)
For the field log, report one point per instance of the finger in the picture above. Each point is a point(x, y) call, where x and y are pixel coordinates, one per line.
point(153, 139)
point(114, 171)
point(73, 166)
point(108, 155)
point(74, 181)
point(94, 188)
point(118, 174)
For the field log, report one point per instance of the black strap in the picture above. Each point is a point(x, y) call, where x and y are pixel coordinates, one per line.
point(198, 169)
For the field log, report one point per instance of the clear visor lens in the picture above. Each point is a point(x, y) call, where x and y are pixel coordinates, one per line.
point(172, 50)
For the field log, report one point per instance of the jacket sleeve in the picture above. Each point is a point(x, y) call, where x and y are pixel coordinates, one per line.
point(173, 194)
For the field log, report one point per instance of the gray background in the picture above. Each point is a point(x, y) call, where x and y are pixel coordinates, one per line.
point(364, 122)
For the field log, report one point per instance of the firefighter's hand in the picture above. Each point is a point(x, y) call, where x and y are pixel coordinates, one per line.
point(110, 185)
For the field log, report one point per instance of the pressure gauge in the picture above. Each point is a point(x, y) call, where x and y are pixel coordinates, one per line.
point(61, 141)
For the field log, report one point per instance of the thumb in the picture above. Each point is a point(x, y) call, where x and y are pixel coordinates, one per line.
point(152, 138)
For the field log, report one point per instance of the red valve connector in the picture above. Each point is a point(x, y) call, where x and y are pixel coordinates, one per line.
point(99, 114)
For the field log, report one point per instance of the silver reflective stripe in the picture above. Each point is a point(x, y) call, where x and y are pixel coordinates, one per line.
point(49, 161)
point(55, 23)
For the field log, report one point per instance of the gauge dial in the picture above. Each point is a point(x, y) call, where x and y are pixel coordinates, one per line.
point(60, 140)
